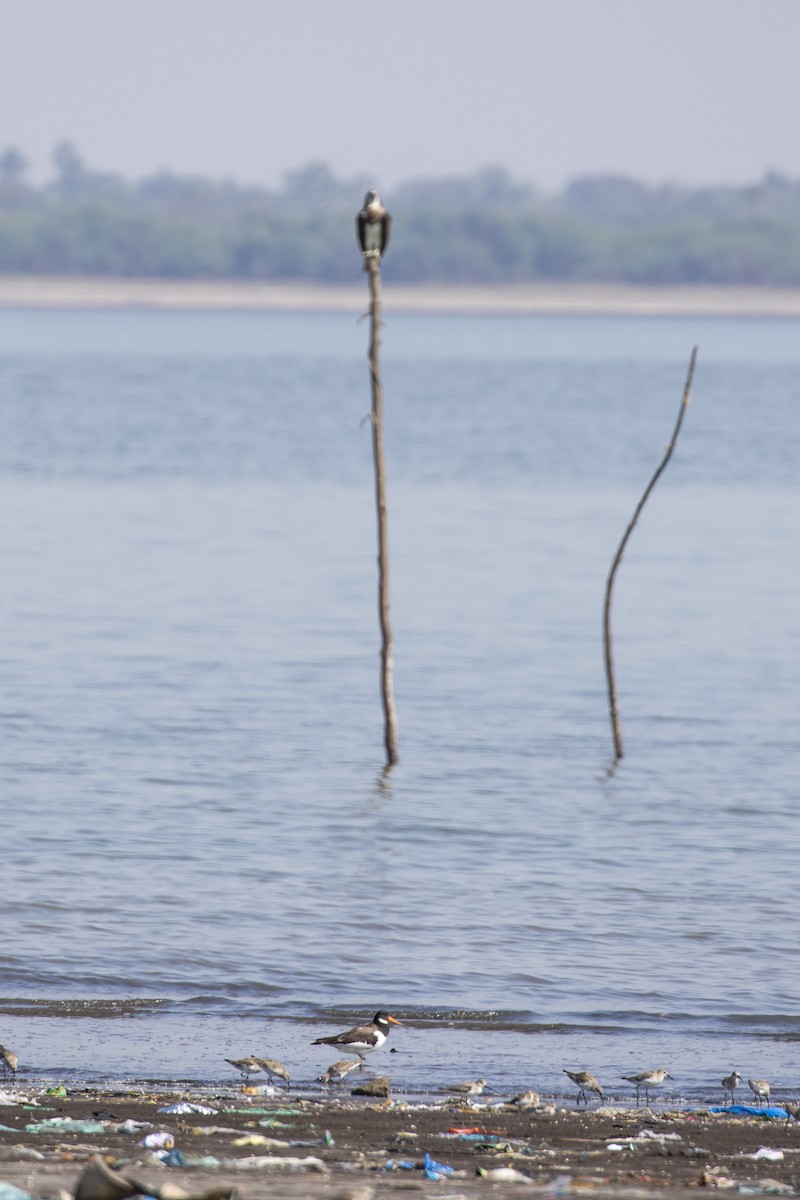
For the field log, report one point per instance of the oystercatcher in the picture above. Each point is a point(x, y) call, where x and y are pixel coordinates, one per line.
point(364, 1038)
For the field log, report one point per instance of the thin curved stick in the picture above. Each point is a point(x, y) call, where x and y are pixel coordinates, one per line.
point(372, 265)
point(609, 658)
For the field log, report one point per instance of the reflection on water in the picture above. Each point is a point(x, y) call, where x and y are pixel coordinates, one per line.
point(199, 842)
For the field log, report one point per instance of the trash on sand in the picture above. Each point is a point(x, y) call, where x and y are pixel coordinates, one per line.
point(260, 1139)
point(766, 1187)
point(435, 1170)
point(264, 1162)
point(643, 1138)
point(186, 1107)
point(100, 1182)
point(487, 1138)
point(160, 1140)
point(560, 1186)
point(751, 1110)
point(429, 1167)
point(766, 1152)
point(210, 1130)
point(503, 1175)
point(131, 1126)
point(66, 1125)
point(325, 1140)
point(59, 1090)
point(9, 1192)
point(173, 1158)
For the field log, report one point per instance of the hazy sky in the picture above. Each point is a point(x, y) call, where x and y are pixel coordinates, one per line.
point(688, 91)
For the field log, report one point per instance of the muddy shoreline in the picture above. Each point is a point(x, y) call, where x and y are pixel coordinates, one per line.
point(353, 1148)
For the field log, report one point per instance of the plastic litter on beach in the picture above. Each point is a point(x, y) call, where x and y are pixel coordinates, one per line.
point(16, 1101)
point(435, 1170)
point(430, 1168)
point(766, 1187)
point(66, 1125)
point(159, 1140)
point(264, 1162)
point(260, 1139)
point(766, 1152)
point(751, 1110)
point(185, 1106)
point(99, 1181)
point(9, 1192)
point(503, 1175)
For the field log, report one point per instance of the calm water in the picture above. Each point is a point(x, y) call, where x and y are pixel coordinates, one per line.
point(201, 858)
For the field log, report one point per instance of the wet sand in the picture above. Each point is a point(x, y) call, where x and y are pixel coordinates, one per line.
point(341, 1148)
point(577, 299)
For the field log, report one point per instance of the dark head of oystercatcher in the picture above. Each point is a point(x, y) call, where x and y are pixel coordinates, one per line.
point(364, 1038)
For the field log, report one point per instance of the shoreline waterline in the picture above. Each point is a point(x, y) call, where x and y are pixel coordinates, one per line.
point(289, 296)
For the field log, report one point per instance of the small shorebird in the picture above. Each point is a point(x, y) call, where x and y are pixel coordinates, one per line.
point(729, 1084)
point(247, 1066)
point(337, 1071)
point(760, 1089)
point(364, 1038)
point(526, 1100)
point(647, 1080)
point(275, 1069)
point(470, 1087)
point(584, 1081)
point(8, 1061)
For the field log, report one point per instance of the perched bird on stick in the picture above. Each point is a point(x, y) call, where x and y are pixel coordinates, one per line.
point(373, 225)
point(364, 1038)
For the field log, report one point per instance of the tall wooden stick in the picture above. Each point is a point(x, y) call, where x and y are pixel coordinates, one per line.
point(372, 264)
point(609, 658)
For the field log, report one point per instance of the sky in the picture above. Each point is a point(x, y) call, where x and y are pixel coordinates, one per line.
point(667, 91)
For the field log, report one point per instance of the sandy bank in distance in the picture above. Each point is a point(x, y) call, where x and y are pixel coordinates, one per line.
point(577, 299)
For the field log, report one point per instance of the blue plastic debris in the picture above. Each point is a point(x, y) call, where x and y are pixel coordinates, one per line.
point(435, 1170)
point(752, 1110)
point(175, 1158)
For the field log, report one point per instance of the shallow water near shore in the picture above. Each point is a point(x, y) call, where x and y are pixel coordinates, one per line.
point(201, 856)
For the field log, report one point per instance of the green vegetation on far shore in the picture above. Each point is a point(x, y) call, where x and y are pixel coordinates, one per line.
point(481, 229)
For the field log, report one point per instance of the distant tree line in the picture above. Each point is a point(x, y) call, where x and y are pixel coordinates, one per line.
point(482, 228)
